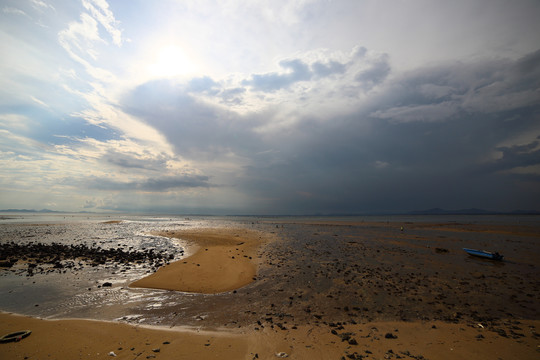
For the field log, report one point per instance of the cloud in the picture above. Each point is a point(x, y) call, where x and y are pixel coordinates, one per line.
point(233, 95)
point(436, 146)
point(330, 77)
point(80, 34)
point(135, 161)
point(81, 38)
point(203, 84)
point(409, 113)
point(515, 156)
point(297, 71)
point(100, 11)
point(326, 69)
point(41, 5)
point(443, 92)
point(89, 204)
point(197, 129)
point(161, 184)
point(12, 10)
point(374, 75)
point(79, 41)
point(333, 127)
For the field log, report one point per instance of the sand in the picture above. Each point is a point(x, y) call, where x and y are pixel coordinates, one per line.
point(223, 260)
point(86, 339)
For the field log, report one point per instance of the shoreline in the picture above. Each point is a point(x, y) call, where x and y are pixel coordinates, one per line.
point(81, 339)
point(222, 260)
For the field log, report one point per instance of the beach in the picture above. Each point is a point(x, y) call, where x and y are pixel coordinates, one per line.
point(313, 289)
point(86, 339)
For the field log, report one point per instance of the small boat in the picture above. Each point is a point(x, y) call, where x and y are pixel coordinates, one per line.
point(484, 254)
point(15, 336)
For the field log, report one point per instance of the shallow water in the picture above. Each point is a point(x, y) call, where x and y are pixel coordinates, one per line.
point(78, 292)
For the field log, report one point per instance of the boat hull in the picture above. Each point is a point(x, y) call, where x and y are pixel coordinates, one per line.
point(484, 254)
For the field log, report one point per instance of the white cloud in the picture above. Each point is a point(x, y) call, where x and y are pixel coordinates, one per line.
point(41, 5)
point(100, 11)
point(78, 39)
point(36, 100)
point(12, 10)
point(14, 121)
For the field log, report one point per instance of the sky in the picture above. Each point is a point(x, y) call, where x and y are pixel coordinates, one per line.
point(269, 107)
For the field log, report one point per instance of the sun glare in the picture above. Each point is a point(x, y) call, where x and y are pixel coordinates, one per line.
point(172, 61)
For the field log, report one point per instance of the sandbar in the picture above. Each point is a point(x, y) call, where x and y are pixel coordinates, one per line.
point(223, 260)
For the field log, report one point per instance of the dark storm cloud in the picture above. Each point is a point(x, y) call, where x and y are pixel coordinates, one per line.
point(429, 138)
point(443, 92)
point(160, 184)
point(195, 128)
point(131, 161)
point(376, 74)
point(174, 182)
point(516, 156)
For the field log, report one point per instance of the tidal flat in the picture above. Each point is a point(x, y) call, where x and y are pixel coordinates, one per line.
point(338, 278)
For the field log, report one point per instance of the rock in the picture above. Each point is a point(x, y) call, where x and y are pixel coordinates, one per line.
point(107, 284)
point(282, 355)
point(112, 354)
point(156, 350)
point(390, 336)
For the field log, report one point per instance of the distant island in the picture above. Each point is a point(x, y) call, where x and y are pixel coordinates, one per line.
point(472, 211)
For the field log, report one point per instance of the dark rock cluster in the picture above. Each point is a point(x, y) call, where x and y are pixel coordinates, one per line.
point(61, 257)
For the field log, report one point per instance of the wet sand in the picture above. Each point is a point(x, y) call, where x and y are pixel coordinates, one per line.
point(223, 260)
point(86, 339)
point(348, 290)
